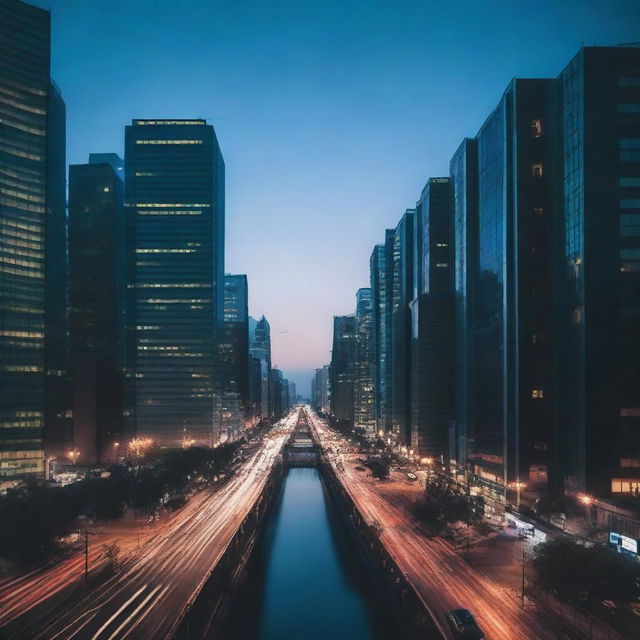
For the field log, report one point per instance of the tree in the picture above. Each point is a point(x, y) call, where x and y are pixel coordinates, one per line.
point(592, 573)
point(442, 504)
point(379, 466)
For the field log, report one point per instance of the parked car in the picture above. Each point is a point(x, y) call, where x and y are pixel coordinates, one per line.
point(464, 625)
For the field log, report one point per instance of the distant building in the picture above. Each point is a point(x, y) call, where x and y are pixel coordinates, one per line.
point(381, 275)
point(33, 378)
point(402, 294)
point(343, 369)
point(97, 286)
point(260, 367)
point(320, 394)
point(174, 192)
point(364, 394)
point(233, 357)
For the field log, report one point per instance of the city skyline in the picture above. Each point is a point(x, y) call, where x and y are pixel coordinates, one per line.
point(336, 65)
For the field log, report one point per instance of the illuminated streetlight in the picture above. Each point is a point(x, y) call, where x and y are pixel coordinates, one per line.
point(73, 455)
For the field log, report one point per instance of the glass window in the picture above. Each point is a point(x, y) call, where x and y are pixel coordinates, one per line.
point(536, 170)
point(629, 81)
point(629, 181)
point(630, 203)
point(537, 128)
point(629, 107)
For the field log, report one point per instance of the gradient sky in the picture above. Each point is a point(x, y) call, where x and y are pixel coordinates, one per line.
point(331, 116)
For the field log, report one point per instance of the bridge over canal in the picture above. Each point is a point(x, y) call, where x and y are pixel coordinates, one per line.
point(301, 449)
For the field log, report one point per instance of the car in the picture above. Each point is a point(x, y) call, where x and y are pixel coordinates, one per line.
point(464, 625)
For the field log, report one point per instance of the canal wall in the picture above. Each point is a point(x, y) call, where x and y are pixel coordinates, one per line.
point(414, 614)
point(203, 614)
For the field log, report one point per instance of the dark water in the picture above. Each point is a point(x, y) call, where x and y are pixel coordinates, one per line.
point(306, 579)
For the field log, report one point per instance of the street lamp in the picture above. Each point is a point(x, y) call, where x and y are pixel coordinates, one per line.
point(73, 455)
point(587, 501)
point(517, 486)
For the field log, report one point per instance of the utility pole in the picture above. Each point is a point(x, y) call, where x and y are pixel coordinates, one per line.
point(86, 556)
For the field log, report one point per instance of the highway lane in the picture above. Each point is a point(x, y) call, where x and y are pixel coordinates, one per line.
point(442, 579)
point(151, 593)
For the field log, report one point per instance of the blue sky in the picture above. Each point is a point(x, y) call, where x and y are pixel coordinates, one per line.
point(331, 116)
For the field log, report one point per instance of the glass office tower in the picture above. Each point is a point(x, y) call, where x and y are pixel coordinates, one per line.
point(402, 294)
point(431, 354)
point(381, 276)
point(599, 408)
point(97, 285)
point(233, 356)
point(364, 388)
point(32, 233)
point(464, 175)
point(343, 368)
point(174, 195)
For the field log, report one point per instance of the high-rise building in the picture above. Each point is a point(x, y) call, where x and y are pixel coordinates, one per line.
point(432, 366)
point(504, 330)
point(32, 239)
point(97, 286)
point(174, 197)
point(321, 390)
point(260, 367)
point(343, 368)
point(233, 356)
point(464, 175)
point(381, 276)
point(402, 294)
point(364, 395)
point(599, 256)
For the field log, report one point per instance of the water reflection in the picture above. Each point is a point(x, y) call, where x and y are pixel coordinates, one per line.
point(306, 580)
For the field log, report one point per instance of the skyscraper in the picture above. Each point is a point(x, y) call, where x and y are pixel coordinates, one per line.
point(321, 388)
point(363, 399)
point(343, 368)
point(233, 356)
point(260, 353)
point(432, 366)
point(464, 175)
point(97, 286)
point(381, 276)
point(402, 293)
point(599, 258)
point(32, 236)
point(175, 211)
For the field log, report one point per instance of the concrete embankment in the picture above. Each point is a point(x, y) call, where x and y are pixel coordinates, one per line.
point(208, 605)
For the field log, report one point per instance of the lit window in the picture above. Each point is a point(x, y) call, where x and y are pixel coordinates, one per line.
point(106, 189)
point(537, 393)
point(536, 170)
point(538, 211)
point(536, 128)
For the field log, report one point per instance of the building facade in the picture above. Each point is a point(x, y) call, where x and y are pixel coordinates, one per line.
point(364, 395)
point(432, 355)
point(381, 277)
point(97, 286)
point(233, 357)
point(32, 251)
point(343, 369)
point(174, 196)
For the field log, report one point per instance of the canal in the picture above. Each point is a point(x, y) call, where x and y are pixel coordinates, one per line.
point(306, 579)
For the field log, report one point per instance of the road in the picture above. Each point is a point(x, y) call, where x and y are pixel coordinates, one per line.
point(442, 579)
point(148, 597)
